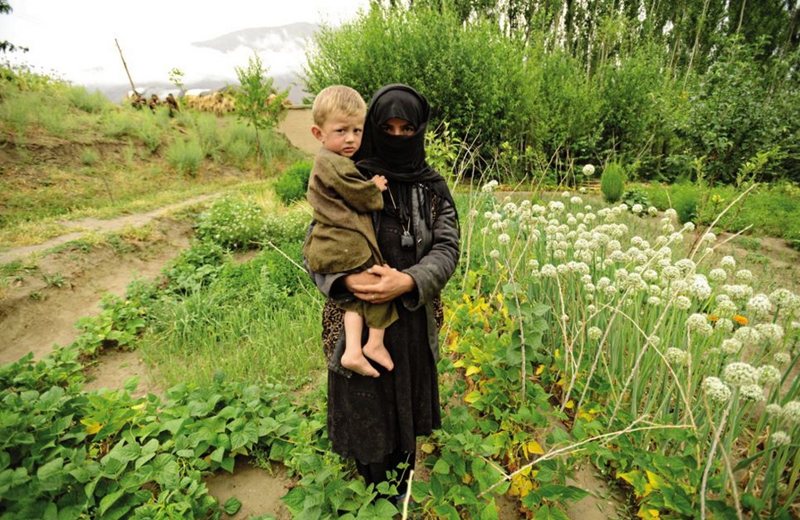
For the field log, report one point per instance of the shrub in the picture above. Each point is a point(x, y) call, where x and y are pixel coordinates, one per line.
point(89, 156)
point(89, 102)
point(685, 203)
point(292, 185)
point(472, 73)
point(288, 227)
point(612, 182)
point(232, 223)
point(185, 156)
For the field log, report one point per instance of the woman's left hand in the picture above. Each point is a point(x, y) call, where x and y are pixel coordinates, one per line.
point(391, 284)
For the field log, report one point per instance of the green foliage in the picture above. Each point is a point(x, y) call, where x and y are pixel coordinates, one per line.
point(185, 155)
point(291, 186)
point(472, 74)
point(288, 227)
point(612, 182)
point(732, 116)
point(194, 267)
point(116, 326)
point(93, 103)
point(256, 101)
point(233, 223)
point(565, 113)
point(89, 156)
point(685, 202)
point(636, 198)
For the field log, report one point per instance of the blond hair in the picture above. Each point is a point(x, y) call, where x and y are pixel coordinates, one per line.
point(337, 99)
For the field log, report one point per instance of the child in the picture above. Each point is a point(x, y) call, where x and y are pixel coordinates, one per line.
point(343, 237)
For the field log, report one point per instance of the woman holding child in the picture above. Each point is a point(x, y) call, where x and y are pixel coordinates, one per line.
point(376, 420)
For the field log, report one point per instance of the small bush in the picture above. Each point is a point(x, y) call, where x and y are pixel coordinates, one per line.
point(287, 227)
point(232, 223)
point(185, 156)
point(89, 157)
point(685, 204)
point(89, 102)
point(292, 185)
point(612, 182)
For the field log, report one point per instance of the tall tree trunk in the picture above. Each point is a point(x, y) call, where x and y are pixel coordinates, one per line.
point(700, 22)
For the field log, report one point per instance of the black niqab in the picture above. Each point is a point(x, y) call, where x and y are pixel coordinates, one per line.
point(400, 158)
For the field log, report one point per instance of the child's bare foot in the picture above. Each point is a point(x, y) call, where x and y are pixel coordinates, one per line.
point(359, 364)
point(377, 352)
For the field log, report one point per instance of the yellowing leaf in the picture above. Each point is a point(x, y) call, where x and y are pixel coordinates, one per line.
point(534, 447)
point(586, 415)
point(472, 396)
point(428, 447)
point(647, 514)
point(570, 404)
point(466, 479)
point(137, 407)
point(473, 370)
point(460, 363)
point(630, 477)
point(540, 370)
point(92, 426)
point(557, 354)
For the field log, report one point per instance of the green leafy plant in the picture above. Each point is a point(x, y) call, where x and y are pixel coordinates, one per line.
point(119, 323)
point(291, 186)
point(232, 223)
point(612, 182)
point(637, 201)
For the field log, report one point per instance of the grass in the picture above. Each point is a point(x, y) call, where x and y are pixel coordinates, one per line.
point(71, 155)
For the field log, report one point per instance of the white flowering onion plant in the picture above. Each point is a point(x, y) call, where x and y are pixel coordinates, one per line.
point(659, 355)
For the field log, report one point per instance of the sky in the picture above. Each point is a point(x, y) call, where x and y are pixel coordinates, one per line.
point(74, 39)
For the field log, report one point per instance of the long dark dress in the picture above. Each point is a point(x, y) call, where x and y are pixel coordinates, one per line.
point(371, 418)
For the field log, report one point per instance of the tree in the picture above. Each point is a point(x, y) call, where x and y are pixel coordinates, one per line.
point(5, 45)
point(257, 102)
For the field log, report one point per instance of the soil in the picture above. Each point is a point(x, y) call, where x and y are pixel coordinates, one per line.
point(35, 316)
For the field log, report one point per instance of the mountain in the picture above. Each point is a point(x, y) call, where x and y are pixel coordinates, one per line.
point(291, 39)
point(281, 49)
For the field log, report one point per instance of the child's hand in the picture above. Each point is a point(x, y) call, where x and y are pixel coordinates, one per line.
point(381, 182)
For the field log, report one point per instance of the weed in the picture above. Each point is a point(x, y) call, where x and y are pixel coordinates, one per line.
point(185, 156)
point(54, 280)
point(751, 244)
point(89, 157)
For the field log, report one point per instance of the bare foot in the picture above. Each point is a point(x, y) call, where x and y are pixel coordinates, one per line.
point(377, 352)
point(359, 364)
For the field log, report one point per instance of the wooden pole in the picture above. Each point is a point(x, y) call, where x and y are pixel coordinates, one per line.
point(125, 65)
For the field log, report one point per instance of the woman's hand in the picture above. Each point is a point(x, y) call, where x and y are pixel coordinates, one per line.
point(379, 284)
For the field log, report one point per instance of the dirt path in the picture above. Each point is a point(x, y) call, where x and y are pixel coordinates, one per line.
point(297, 127)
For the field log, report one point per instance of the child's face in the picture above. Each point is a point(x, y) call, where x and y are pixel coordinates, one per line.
point(399, 127)
point(340, 133)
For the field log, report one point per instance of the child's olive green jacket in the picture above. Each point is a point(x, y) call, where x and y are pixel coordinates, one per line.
point(343, 238)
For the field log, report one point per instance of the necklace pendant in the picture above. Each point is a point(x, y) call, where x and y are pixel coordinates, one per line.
point(407, 240)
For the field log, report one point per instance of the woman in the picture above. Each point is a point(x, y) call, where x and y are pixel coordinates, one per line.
point(376, 420)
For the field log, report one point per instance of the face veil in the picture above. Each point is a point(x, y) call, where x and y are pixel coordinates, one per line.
point(400, 158)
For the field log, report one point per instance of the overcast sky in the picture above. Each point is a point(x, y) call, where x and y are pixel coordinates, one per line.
point(75, 38)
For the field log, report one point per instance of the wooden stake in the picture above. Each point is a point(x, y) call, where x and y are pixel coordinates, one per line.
point(125, 65)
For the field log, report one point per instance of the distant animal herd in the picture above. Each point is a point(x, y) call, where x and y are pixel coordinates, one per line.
point(219, 101)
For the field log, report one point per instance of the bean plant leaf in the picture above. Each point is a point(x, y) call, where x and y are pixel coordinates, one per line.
point(232, 505)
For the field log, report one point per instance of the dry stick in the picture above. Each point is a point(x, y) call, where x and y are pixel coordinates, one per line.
point(125, 65)
point(575, 447)
point(407, 498)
